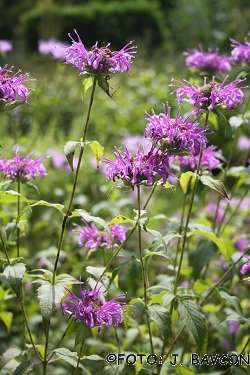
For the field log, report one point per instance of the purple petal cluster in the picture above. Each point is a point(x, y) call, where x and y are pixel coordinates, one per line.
point(208, 61)
point(245, 266)
point(240, 51)
point(59, 160)
point(12, 86)
point(52, 47)
point(141, 167)
point(5, 45)
point(92, 309)
point(210, 159)
point(92, 238)
point(99, 59)
point(178, 134)
point(22, 167)
point(211, 95)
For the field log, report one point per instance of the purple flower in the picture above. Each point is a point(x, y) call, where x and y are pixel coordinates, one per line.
point(244, 143)
point(59, 160)
point(212, 208)
point(99, 60)
point(210, 95)
point(53, 47)
point(5, 45)
point(92, 238)
point(143, 167)
point(92, 309)
point(245, 266)
point(12, 86)
point(242, 243)
point(22, 167)
point(241, 52)
point(178, 134)
point(210, 61)
point(210, 159)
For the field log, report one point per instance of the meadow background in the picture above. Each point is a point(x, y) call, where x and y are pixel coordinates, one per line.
point(162, 31)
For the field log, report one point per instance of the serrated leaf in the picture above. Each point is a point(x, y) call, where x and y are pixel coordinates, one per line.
point(69, 151)
point(191, 314)
point(215, 185)
point(82, 333)
point(23, 368)
point(97, 150)
point(70, 357)
point(9, 354)
point(87, 82)
point(7, 317)
point(15, 194)
point(49, 295)
point(162, 318)
point(184, 180)
point(201, 256)
point(103, 84)
point(86, 216)
point(14, 274)
point(95, 271)
point(234, 301)
point(120, 219)
point(211, 236)
point(93, 357)
point(167, 298)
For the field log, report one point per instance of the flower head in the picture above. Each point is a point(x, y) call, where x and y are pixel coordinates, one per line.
point(92, 309)
point(210, 159)
point(244, 143)
point(178, 134)
point(22, 167)
point(240, 51)
point(211, 95)
point(52, 47)
point(92, 238)
point(11, 86)
point(142, 167)
point(5, 46)
point(99, 59)
point(59, 160)
point(209, 61)
point(245, 266)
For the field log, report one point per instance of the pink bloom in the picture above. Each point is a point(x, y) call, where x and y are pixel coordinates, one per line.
point(210, 159)
point(11, 86)
point(92, 309)
point(245, 266)
point(240, 51)
point(22, 167)
point(52, 47)
point(5, 45)
point(244, 143)
point(211, 95)
point(209, 61)
point(59, 160)
point(99, 60)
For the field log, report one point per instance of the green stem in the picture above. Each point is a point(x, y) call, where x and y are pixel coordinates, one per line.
point(4, 248)
point(75, 182)
point(79, 358)
point(143, 268)
point(61, 339)
point(18, 212)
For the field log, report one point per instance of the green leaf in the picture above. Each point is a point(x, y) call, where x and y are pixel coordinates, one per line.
point(86, 216)
point(234, 301)
point(162, 318)
point(70, 357)
point(69, 151)
point(184, 180)
point(191, 314)
point(93, 357)
point(14, 274)
point(15, 194)
point(87, 82)
point(201, 256)
point(49, 295)
point(7, 317)
point(237, 318)
point(82, 333)
point(144, 371)
point(200, 286)
point(97, 150)
point(123, 265)
point(237, 370)
point(57, 206)
point(11, 353)
point(23, 368)
point(120, 219)
point(95, 271)
point(215, 185)
point(103, 84)
point(183, 370)
point(167, 298)
point(211, 236)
